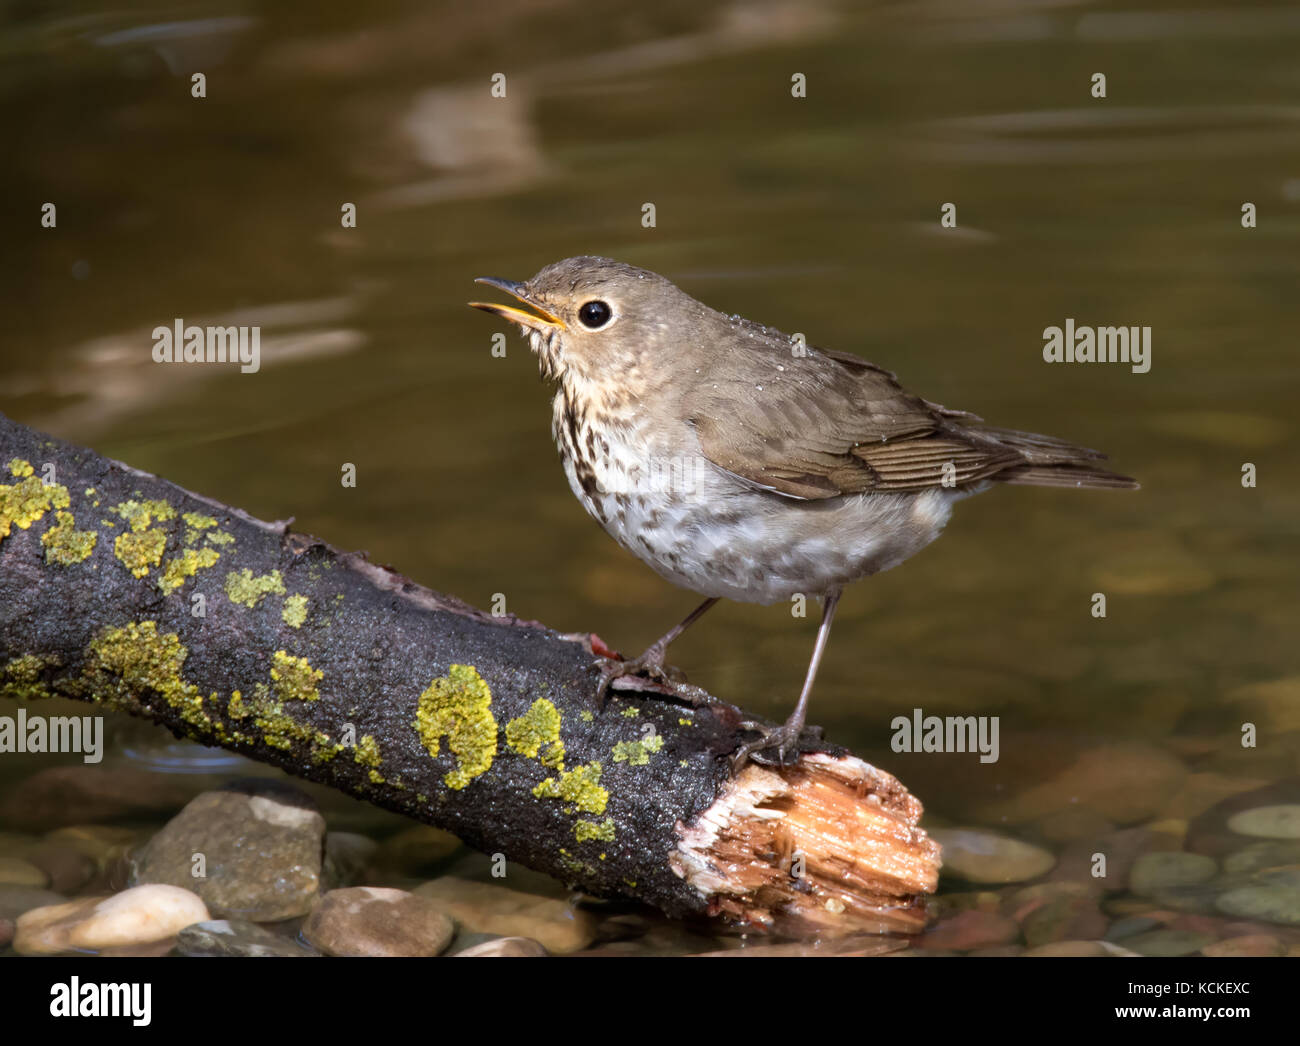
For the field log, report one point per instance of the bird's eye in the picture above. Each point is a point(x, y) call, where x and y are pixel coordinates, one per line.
point(595, 314)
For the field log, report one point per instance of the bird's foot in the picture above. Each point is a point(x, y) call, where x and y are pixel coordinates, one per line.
point(772, 745)
point(665, 679)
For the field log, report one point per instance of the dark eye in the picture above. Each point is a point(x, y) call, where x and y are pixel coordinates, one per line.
point(595, 314)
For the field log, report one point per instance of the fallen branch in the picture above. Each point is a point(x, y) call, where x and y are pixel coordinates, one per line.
point(119, 588)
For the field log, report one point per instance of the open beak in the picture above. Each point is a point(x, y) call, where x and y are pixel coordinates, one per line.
point(538, 320)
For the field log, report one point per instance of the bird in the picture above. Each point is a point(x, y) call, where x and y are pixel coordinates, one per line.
point(743, 463)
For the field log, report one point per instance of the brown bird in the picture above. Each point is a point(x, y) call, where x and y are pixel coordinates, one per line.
point(739, 462)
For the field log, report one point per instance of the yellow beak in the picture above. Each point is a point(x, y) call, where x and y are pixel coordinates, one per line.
point(539, 321)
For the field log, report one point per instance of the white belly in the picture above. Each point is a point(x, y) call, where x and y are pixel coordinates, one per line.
point(701, 528)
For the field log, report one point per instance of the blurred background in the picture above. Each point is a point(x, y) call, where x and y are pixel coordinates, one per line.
point(817, 214)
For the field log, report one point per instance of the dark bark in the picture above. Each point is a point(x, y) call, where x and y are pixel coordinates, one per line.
point(324, 664)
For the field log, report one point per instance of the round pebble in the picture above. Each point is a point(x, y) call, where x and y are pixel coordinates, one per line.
point(1268, 822)
point(371, 921)
point(143, 915)
point(235, 937)
point(17, 872)
point(980, 856)
point(1272, 903)
point(1163, 870)
point(1168, 942)
point(262, 843)
point(491, 908)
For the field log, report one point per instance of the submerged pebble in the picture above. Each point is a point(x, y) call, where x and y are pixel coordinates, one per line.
point(981, 856)
point(373, 921)
point(491, 908)
point(144, 915)
point(261, 843)
point(236, 937)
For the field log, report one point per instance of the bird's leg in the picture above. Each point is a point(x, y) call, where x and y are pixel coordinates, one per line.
point(783, 737)
point(651, 662)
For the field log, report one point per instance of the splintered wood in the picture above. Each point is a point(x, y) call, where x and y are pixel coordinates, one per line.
point(829, 845)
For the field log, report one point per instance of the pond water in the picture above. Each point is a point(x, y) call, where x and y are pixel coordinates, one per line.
point(819, 214)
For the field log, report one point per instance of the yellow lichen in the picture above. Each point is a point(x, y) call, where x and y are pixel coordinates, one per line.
point(637, 753)
point(293, 677)
point(140, 514)
point(124, 662)
point(459, 706)
point(139, 552)
point(25, 502)
point(248, 590)
point(604, 831)
point(64, 544)
point(367, 754)
point(186, 565)
point(580, 786)
point(295, 611)
point(539, 726)
point(21, 677)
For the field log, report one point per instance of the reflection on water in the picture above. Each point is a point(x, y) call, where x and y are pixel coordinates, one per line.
point(818, 215)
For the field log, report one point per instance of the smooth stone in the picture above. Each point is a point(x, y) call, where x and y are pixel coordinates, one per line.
point(374, 921)
point(980, 856)
point(1260, 944)
point(14, 871)
point(102, 843)
point(67, 867)
point(1261, 856)
point(1271, 903)
point(1168, 942)
point(504, 947)
point(1006, 951)
point(1210, 832)
point(347, 855)
point(262, 843)
point(67, 795)
point(488, 908)
point(968, 931)
point(222, 937)
point(1154, 873)
point(416, 848)
point(1268, 822)
point(14, 900)
point(144, 915)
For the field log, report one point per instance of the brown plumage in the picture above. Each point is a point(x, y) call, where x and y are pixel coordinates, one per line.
point(740, 463)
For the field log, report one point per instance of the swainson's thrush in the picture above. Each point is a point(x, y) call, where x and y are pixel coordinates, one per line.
point(741, 463)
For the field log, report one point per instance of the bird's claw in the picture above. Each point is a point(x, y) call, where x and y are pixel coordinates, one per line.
point(772, 739)
point(663, 679)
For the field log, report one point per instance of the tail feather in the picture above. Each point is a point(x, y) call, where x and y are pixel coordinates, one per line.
point(1066, 476)
point(1052, 462)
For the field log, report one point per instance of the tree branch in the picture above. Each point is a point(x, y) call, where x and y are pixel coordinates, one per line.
point(119, 588)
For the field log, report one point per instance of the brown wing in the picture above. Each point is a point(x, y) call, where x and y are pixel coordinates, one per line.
point(830, 423)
